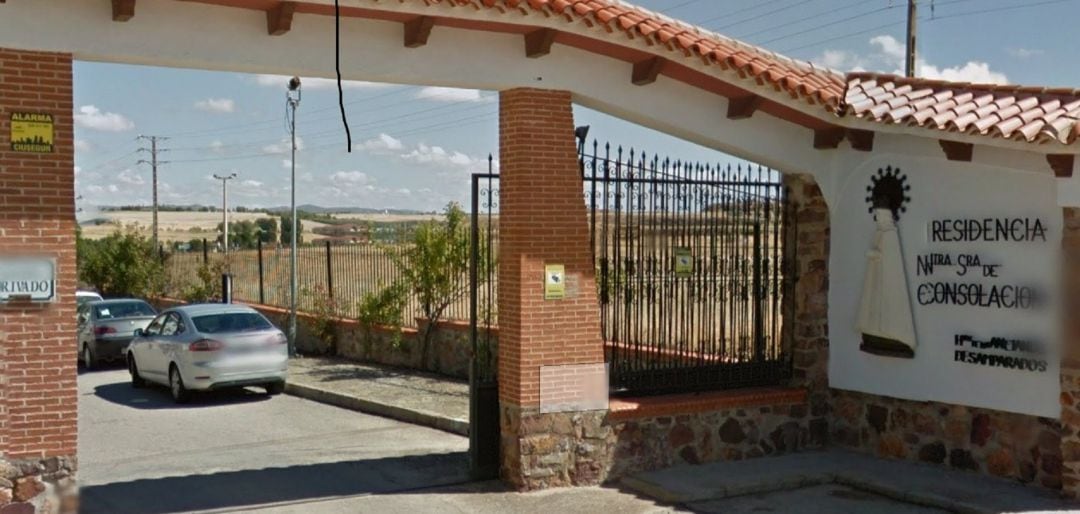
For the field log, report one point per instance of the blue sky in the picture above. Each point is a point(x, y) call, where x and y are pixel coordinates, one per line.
point(414, 147)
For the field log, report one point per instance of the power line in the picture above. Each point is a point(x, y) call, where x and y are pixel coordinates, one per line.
point(203, 133)
point(800, 20)
point(679, 6)
point(831, 23)
point(921, 18)
point(764, 14)
point(419, 130)
point(739, 11)
point(384, 122)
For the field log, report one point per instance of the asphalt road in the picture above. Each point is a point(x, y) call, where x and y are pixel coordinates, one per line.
point(234, 451)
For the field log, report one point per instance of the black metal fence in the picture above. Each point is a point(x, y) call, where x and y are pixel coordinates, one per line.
point(327, 274)
point(693, 266)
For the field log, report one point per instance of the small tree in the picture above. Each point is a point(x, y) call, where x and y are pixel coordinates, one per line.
point(286, 229)
point(434, 266)
point(207, 286)
point(121, 264)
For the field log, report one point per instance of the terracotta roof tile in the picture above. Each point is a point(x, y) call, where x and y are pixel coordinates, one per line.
point(1032, 114)
point(813, 84)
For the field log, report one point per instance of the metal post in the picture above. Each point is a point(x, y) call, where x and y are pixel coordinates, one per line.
point(293, 103)
point(329, 272)
point(262, 293)
point(205, 252)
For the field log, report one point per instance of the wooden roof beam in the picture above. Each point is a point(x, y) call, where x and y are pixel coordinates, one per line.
point(646, 71)
point(417, 31)
point(861, 140)
point(743, 107)
point(956, 151)
point(279, 18)
point(538, 42)
point(123, 10)
point(828, 138)
point(1062, 164)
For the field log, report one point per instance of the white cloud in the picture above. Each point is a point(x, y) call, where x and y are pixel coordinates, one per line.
point(450, 94)
point(315, 83)
point(1025, 53)
point(973, 71)
point(251, 183)
point(93, 118)
point(222, 105)
point(384, 142)
point(82, 145)
point(78, 170)
point(217, 147)
point(887, 54)
point(351, 178)
point(113, 189)
point(437, 155)
point(130, 177)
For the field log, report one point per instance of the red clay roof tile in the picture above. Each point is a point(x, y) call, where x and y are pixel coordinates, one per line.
point(1031, 114)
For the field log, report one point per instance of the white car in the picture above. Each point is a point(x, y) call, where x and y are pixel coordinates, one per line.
point(209, 346)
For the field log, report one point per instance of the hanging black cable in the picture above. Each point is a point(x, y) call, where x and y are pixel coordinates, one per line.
point(337, 67)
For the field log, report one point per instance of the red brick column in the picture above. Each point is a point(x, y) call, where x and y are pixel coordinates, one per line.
point(1070, 362)
point(37, 218)
point(543, 221)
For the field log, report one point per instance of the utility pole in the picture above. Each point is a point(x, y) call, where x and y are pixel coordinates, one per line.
point(154, 163)
point(912, 16)
point(225, 210)
point(292, 99)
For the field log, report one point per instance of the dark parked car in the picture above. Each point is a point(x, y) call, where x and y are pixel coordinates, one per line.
point(105, 328)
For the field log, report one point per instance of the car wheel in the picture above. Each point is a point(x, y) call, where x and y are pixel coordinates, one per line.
point(88, 358)
point(136, 381)
point(275, 388)
point(180, 394)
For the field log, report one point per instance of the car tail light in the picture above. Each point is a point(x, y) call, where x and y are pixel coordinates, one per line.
point(205, 345)
point(100, 331)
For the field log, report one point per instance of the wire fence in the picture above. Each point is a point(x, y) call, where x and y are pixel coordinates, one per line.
point(343, 272)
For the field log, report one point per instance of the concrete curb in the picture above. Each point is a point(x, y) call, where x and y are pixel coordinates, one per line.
point(416, 417)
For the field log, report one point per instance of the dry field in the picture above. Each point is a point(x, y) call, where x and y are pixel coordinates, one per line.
point(176, 226)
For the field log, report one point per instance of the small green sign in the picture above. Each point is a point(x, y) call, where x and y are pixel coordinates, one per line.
point(684, 262)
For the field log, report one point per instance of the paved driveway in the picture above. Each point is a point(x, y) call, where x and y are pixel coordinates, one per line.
point(140, 453)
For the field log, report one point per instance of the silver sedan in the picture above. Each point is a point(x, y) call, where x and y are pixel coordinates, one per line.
point(209, 346)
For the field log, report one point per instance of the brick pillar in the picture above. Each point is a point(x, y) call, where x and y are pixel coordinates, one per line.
point(810, 347)
point(37, 350)
point(543, 221)
point(1070, 361)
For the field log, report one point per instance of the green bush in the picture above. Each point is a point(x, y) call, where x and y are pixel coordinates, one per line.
point(121, 264)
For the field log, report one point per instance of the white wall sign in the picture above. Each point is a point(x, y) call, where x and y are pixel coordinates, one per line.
point(979, 251)
point(25, 278)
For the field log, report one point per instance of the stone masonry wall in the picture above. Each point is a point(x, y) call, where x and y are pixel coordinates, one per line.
point(1018, 446)
point(810, 344)
point(38, 389)
point(584, 448)
point(1070, 362)
point(43, 486)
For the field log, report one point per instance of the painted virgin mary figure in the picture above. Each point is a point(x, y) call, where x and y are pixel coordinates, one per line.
point(885, 319)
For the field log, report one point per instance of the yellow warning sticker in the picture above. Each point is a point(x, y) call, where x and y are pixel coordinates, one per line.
point(31, 132)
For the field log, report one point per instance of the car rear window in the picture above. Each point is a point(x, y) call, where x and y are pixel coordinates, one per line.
point(123, 310)
point(230, 322)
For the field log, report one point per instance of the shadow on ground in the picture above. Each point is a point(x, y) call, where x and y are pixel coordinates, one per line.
point(386, 376)
point(153, 397)
point(294, 484)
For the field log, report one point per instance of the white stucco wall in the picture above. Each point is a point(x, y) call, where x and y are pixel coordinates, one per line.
point(996, 184)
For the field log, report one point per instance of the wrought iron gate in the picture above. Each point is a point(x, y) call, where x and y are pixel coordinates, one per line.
point(693, 265)
point(483, 386)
